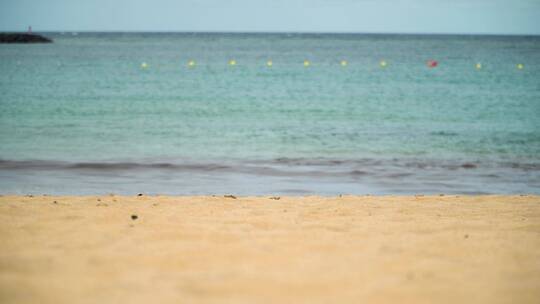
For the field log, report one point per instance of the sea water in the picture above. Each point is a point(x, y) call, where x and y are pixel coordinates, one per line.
point(96, 113)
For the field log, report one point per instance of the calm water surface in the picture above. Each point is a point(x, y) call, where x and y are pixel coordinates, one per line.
point(81, 116)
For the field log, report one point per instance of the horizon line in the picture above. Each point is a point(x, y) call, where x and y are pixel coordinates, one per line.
point(277, 32)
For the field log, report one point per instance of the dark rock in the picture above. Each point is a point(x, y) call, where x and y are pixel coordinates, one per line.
point(230, 196)
point(23, 38)
point(140, 194)
point(134, 217)
point(468, 166)
point(277, 198)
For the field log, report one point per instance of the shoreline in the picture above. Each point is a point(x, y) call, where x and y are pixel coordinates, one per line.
point(210, 249)
point(272, 176)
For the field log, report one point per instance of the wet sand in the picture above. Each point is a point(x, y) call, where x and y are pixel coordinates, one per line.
point(350, 249)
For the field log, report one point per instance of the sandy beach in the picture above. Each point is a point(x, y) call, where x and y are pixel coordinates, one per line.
point(350, 249)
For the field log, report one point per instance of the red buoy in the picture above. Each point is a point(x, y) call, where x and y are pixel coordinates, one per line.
point(432, 63)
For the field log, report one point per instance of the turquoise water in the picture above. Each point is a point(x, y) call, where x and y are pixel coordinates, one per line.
point(82, 116)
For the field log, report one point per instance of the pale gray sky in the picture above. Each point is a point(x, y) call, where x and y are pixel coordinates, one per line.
point(397, 16)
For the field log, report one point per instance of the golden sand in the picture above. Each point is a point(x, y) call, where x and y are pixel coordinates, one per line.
point(351, 249)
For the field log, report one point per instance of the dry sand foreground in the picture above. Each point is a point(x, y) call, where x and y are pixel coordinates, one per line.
point(433, 249)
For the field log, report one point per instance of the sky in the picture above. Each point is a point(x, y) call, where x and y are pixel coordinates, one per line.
point(363, 16)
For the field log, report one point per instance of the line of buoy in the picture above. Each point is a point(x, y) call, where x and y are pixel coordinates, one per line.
point(383, 64)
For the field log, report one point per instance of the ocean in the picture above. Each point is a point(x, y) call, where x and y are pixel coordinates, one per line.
point(168, 113)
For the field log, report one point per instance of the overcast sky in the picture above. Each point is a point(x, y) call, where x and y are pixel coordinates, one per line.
point(396, 16)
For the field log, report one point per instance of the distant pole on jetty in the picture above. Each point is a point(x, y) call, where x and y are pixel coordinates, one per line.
point(29, 29)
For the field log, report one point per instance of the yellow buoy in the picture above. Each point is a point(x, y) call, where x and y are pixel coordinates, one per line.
point(144, 65)
point(383, 64)
point(269, 63)
point(478, 66)
point(232, 62)
point(307, 63)
point(191, 63)
point(520, 66)
point(344, 63)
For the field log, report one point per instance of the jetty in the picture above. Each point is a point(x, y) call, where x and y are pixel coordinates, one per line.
point(23, 38)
